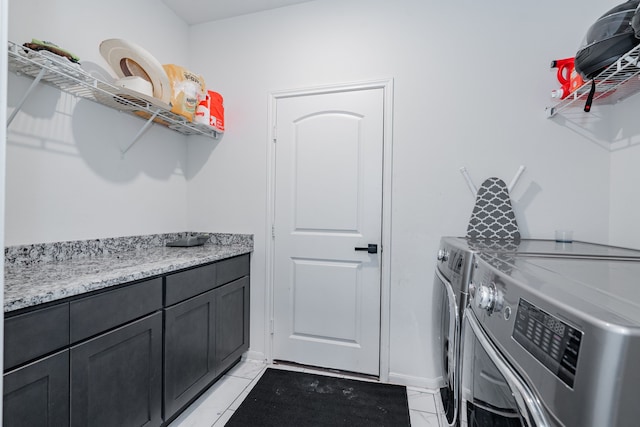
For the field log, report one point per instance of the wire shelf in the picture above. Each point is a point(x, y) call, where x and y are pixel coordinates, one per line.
point(617, 82)
point(70, 77)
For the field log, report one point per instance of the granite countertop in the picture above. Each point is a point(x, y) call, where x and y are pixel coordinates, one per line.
point(32, 283)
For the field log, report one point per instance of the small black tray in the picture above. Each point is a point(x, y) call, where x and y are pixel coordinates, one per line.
point(189, 241)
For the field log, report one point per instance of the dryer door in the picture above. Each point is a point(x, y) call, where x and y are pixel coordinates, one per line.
point(492, 394)
point(448, 344)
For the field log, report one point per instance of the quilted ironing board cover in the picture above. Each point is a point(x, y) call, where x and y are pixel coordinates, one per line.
point(492, 216)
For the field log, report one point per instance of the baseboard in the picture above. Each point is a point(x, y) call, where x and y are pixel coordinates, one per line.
point(254, 355)
point(394, 378)
point(411, 381)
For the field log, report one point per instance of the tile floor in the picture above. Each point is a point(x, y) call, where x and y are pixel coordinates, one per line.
point(216, 405)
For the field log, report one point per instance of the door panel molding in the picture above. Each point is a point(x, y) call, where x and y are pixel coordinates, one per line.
point(385, 287)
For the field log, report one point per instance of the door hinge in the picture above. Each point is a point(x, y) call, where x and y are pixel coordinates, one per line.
point(271, 326)
point(273, 231)
point(274, 133)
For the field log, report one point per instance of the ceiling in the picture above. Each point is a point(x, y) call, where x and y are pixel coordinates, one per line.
point(198, 11)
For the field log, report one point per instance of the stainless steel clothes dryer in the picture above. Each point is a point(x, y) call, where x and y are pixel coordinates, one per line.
point(551, 342)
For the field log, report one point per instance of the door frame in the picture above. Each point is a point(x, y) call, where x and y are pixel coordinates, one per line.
point(385, 262)
point(4, 38)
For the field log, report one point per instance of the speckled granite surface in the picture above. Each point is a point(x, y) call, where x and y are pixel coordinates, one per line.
point(35, 274)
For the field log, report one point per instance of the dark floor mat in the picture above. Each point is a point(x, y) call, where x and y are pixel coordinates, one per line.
point(287, 398)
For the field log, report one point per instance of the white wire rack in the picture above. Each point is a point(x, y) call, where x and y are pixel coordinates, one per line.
point(617, 82)
point(69, 77)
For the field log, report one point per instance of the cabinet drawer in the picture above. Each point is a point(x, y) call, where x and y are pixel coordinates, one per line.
point(36, 333)
point(232, 269)
point(186, 284)
point(98, 313)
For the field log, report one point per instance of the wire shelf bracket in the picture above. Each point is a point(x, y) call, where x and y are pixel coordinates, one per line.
point(26, 96)
point(140, 133)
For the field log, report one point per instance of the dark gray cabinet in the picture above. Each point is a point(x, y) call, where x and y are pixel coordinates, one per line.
point(117, 357)
point(232, 323)
point(36, 379)
point(77, 386)
point(116, 378)
point(204, 334)
point(189, 350)
point(38, 394)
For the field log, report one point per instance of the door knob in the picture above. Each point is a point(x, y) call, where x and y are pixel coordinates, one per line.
point(371, 248)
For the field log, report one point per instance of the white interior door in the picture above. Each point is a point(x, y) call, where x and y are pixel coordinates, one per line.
point(328, 202)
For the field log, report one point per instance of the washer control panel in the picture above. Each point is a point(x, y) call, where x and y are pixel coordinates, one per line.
point(550, 340)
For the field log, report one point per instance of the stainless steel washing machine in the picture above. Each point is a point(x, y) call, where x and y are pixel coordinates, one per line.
point(451, 283)
point(551, 342)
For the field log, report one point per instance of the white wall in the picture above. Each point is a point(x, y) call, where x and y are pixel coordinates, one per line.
point(471, 84)
point(66, 179)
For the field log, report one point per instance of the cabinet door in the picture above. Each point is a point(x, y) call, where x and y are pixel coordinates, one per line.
point(232, 322)
point(116, 377)
point(38, 394)
point(189, 351)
